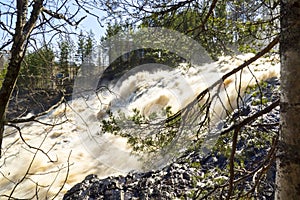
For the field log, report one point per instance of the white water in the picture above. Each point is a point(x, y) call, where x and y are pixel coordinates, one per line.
point(147, 91)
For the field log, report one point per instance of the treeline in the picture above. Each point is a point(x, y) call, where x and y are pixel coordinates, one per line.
point(230, 28)
point(50, 68)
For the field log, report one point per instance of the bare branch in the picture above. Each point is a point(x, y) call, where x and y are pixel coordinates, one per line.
point(62, 17)
point(231, 162)
point(32, 147)
point(209, 13)
point(252, 117)
point(66, 177)
point(224, 77)
point(34, 117)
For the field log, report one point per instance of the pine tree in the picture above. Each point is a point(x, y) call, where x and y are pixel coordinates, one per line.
point(64, 57)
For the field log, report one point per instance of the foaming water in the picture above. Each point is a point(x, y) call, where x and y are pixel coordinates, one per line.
point(74, 149)
point(151, 91)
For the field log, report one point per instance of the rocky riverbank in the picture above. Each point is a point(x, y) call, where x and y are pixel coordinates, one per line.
point(34, 101)
point(193, 176)
point(28, 101)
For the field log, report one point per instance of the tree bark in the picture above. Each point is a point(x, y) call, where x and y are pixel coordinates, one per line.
point(23, 30)
point(288, 158)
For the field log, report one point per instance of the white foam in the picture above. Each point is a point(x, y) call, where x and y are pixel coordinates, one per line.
point(147, 91)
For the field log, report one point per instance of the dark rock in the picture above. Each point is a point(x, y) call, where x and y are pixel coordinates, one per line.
point(35, 101)
point(179, 179)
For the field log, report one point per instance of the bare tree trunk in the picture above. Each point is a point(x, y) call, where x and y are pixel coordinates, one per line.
point(288, 161)
point(23, 30)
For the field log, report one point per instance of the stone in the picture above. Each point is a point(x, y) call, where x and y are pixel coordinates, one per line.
point(180, 179)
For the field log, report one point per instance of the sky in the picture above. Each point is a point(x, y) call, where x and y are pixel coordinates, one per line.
point(91, 23)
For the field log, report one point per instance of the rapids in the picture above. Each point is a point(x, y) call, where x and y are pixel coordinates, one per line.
point(72, 154)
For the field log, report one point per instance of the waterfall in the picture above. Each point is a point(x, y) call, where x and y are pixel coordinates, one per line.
point(77, 147)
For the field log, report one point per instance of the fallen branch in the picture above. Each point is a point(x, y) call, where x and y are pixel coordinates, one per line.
point(34, 117)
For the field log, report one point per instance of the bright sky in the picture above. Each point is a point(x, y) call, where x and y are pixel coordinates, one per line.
point(91, 23)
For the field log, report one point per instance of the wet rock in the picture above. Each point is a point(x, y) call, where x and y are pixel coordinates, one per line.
point(181, 178)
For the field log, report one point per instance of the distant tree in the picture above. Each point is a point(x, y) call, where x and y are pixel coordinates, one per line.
point(24, 26)
point(222, 27)
point(89, 46)
point(37, 68)
point(85, 46)
point(81, 47)
point(111, 30)
point(64, 57)
point(22, 23)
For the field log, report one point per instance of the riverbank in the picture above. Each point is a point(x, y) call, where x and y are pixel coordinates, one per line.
point(193, 176)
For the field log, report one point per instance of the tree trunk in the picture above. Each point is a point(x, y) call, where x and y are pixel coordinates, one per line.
point(288, 160)
point(23, 30)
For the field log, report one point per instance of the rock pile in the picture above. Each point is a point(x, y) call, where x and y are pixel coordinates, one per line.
point(193, 176)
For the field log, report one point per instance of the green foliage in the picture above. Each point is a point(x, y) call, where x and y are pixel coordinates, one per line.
point(112, 43)
point(64, 56)
point(110, 125)
point(254, 141)
point(262, 101)
point(256, 92)
point(196, 165)
point(2, 74)
point(89, 44)
point(80, 50)
point(117, 40)
point(112, 30)
point(37, 68)
point(214, 180)
point(142, 135)
point(85, 47)
point(233, 25)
